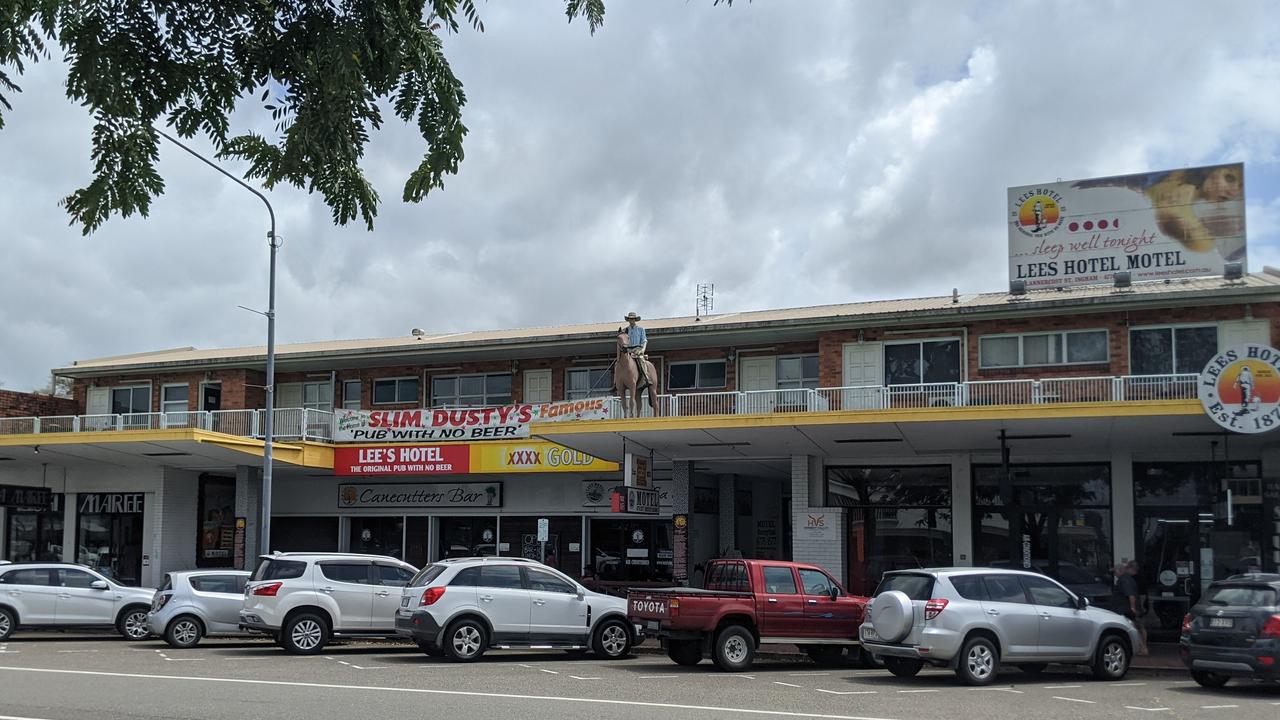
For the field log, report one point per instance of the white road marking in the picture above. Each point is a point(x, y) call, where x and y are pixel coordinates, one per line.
point(809, 673)
point(1125, 684)
point(919, 691)
point(575, 677)
point(1059, 687)
point(848, 692)
point(1091, 702)
point(776, 682)
point(999, 689)
point(553, 672)
point(15, 717)
point(77, 651)
point(1217, 707)
point(375, 667)
point(524, 666)
point(656, 677)
point(1130, 707)
point(427, 691)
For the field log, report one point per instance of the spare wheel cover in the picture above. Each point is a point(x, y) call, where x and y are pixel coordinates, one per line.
point(892, 615)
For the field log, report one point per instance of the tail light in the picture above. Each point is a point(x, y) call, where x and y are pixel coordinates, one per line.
point(1186, 624)
point(934, 608)
point(673, 607)
point(268, 590)
point(1271, 628)
point(159, 602)
point(431, 594)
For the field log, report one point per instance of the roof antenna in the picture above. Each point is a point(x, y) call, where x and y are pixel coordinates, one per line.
point(706, 300)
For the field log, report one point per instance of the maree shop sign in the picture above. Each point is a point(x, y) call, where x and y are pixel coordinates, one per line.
point(410, 496)
point(1157, 225)
point(1240, 388)
point(29, 498)
point(494, 423)
point(531, 456)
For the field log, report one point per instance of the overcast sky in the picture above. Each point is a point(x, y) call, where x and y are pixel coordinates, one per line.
point(791, 153)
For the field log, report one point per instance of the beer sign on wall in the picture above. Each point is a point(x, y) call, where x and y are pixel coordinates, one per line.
point(1175, 223)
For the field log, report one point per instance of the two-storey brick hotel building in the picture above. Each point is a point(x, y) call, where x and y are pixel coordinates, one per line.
point(1057, 429)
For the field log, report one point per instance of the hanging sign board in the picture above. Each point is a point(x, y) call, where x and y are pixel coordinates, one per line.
point(636, 471)
point(28, 498)
point(1240, 388)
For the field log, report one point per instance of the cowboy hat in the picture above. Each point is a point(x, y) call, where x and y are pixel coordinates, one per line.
point(631, 316)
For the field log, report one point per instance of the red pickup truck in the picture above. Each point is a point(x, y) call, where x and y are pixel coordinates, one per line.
point(747, 602)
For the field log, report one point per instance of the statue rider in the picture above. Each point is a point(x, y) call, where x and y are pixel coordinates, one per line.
point(637, 343)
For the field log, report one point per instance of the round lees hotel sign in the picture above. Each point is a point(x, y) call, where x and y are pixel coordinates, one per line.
point(1240, 388)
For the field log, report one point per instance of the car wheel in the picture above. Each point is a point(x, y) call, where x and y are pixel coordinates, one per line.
point(826, 655)
point(8, 623)
point(304, 634)
point(1033, 668)
point(1111, 661)
point(1209, 679)
point(132, 623)
point(979, 661)
point(903, 667)
point(735, 649)
point(465, 641)
point(184, 632)
point(685, 652)
point(612, 640)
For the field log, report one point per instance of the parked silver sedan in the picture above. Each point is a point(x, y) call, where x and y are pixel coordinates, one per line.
point(195, 603)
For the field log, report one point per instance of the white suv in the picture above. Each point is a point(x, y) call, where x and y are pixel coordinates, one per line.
point(61, 595)
point(304, 599)
point(460, 607)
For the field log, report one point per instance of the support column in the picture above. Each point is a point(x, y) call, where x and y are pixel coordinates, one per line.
point(962, 510)
point(681, 500)
point(818, 533)
point(728, 517)
point(1122, 530)
point(69, 541)
point(248, 506)
point(1270, 530)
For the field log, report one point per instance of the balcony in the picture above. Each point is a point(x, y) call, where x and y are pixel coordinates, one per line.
point(303, 424)
point(290, 423)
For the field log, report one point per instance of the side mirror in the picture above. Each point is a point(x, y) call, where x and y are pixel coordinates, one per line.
point(98, 585)
point(1082, 603)
point(835, 591)
point(582, 595)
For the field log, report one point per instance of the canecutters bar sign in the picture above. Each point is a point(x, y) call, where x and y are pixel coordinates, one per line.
point(444, 495)
point(507, 422)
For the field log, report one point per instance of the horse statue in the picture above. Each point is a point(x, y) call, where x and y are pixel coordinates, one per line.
point(627, 381)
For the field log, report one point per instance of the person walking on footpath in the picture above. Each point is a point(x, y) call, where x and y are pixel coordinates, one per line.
point(1126, 591)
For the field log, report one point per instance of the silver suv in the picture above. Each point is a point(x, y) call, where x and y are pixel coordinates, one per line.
point(975, 619)
point(461, 607)
point(303, 600)
point(62, 595)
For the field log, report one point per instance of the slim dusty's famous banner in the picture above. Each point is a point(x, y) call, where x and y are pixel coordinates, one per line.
point(495, 423)
point(1175, 223)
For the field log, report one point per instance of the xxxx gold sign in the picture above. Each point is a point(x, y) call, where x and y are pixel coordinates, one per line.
point(533, 457)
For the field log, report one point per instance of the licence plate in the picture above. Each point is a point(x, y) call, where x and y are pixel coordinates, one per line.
point(404, 601)
point(870, 634)
point(1221, 622)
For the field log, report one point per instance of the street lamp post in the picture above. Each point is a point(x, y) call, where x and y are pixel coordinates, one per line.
point(264, 530)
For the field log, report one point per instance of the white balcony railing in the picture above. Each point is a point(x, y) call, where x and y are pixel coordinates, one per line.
point(308, 424)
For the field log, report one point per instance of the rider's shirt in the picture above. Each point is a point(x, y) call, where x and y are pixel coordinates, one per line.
point(636, 336)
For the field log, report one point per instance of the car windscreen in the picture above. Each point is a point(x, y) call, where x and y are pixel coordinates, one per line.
point(1240, 595)
point(426, 575)
point(277, 569)
point(914, 586)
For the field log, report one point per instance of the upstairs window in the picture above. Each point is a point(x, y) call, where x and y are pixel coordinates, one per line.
point(471, 390)
point(390, 391)
point(1035, 349)
point(926, 361)
point(797, 372)
point(126, 400)
point(699, 375)
point(582, 383)
point(1170, 350)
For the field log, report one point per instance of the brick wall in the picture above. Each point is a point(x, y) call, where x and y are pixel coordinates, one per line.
point(20, 404)
point(241, 388)
point(825, 547)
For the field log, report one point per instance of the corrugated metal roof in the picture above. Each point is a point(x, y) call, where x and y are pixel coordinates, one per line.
point(1254, 284)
